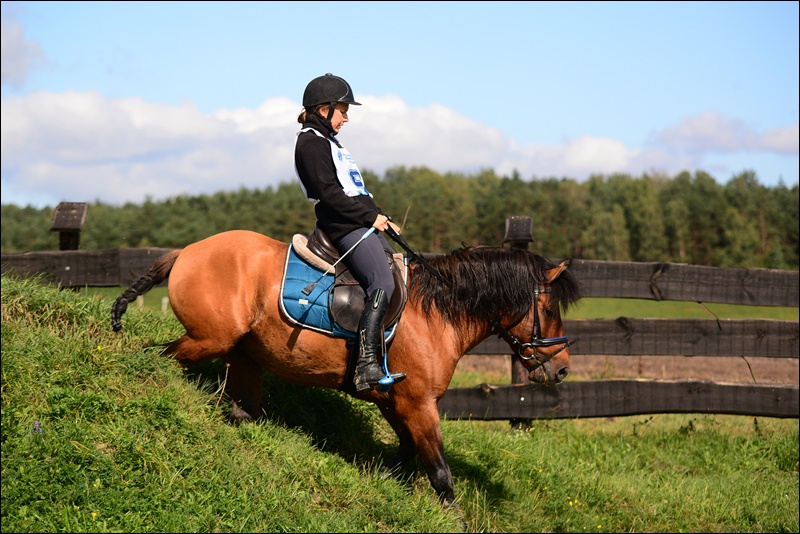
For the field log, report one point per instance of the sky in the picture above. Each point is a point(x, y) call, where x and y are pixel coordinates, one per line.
point(126, 101)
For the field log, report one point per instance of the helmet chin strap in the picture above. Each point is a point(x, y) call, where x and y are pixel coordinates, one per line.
point(325, 120)
point(331, 109)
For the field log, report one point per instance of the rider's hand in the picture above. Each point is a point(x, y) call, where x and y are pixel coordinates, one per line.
point(381, 222)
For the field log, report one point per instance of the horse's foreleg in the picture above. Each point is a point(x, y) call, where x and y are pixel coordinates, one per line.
point(423, 426)
point(406, 450)
point(244, 384)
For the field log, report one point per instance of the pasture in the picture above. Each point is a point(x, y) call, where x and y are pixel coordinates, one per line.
point(100, 433)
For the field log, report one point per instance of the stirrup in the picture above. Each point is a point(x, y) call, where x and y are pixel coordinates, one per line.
point(385, 383)
point(389, 379)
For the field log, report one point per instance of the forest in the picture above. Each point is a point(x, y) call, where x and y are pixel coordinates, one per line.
point(687, 218)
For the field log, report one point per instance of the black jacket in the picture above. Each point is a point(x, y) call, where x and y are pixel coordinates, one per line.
point(337, 214)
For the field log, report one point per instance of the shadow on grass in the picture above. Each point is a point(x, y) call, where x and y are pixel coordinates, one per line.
point(339, 424)
point(334, 421)
point(472, 473)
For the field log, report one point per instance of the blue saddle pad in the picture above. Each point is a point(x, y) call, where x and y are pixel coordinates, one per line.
point(312, 310)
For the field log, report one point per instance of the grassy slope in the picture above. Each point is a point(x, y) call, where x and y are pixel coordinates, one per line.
point(129, 442)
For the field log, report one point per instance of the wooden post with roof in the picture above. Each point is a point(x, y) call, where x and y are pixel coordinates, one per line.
point(68, 219)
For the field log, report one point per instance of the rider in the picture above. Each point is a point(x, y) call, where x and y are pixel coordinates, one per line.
point(345, 210)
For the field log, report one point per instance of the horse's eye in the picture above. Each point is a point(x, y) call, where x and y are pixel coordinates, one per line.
point(550, 313)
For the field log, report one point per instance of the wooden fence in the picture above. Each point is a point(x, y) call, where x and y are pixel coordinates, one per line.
point(626, 336)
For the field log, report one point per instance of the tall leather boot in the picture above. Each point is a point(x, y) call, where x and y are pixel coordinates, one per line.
point(370, 342)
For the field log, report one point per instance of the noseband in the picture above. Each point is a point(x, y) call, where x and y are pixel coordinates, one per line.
point(536, 342)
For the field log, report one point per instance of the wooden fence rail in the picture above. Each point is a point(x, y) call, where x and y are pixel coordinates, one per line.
point(626, 336)
point(677, 281)
point(654, 281)
point(610, 398)
point(612, 336)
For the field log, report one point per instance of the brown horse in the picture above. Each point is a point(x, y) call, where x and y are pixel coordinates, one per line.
point(225, 291)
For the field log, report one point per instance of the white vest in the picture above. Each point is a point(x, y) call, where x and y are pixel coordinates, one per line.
point(346, 170)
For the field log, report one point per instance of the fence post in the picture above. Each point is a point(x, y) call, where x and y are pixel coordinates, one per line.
point(519, 233)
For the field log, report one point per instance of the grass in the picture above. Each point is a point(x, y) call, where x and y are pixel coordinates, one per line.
point(664, 473)
point(609, 308)
point(100, 434)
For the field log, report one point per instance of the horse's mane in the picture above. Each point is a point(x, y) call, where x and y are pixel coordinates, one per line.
point(488, 282)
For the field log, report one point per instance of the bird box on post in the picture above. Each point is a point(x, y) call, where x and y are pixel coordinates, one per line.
point(519, 231)
point(68, 219)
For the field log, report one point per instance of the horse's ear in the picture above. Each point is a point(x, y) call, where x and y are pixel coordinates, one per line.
point(555, 272)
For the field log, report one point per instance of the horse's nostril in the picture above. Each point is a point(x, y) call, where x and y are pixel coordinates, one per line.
point(562, 373)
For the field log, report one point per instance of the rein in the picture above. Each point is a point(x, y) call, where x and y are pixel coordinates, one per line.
point(520, 347)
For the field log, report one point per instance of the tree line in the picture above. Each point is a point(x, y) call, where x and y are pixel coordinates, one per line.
point(687, 218)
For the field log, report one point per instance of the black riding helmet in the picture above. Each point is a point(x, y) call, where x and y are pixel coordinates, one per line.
point(328, 89)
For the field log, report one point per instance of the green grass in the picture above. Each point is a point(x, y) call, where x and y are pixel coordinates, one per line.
point(666, 473)
point(130, 442)
point(608, 308)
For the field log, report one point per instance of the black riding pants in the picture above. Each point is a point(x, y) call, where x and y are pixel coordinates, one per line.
point(368, 261)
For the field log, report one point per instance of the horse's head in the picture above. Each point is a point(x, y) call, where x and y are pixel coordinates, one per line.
point(493, 287)
point(546, 355)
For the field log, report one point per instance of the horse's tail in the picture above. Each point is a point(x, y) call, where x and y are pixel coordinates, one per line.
point(156, 273)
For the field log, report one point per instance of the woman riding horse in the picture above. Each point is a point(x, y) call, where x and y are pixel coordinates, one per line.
point(345, 210)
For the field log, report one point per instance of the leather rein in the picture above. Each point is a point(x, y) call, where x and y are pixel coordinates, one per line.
point(535, 343)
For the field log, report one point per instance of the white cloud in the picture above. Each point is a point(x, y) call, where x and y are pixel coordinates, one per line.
point(713, 132)
point(84, 146)
point(81, 146)
point(19, 55)
point(386, 132)
point(780, 140)
point(270, 114)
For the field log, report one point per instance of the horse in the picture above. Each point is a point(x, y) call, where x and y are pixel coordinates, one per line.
point(225, 289)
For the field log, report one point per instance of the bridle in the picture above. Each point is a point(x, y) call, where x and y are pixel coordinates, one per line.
point(536, 341)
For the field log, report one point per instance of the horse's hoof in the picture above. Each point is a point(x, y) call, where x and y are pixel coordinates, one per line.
point(454, 507)
point(238, 415)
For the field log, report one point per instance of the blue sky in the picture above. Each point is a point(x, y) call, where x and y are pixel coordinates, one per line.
point(120, 101)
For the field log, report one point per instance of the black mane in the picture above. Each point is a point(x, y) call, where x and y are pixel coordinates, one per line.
point(488, 281)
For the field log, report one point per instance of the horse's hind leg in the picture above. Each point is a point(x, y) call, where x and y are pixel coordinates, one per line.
point(243, 380)
point(188, 351)
point(245, 383)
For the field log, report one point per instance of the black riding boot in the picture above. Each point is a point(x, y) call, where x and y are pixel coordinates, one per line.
point(370, 342)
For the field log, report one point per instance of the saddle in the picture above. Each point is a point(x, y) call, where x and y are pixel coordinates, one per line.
point(348, 298)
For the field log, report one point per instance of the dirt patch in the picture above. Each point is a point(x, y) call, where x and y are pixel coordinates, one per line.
point(717, 368)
